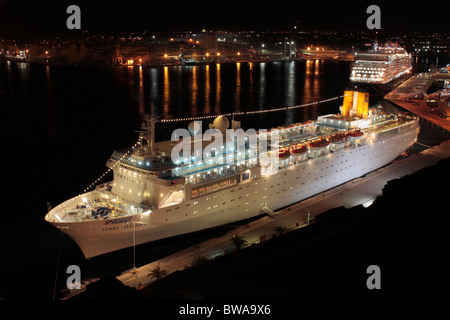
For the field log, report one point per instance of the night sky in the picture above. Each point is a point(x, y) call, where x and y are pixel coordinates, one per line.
point(25, 16)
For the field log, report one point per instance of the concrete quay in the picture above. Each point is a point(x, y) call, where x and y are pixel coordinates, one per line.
point(420, 108)
point(410, 96)
point(359, 191)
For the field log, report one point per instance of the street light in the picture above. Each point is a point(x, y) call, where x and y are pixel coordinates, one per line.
point(134, 237)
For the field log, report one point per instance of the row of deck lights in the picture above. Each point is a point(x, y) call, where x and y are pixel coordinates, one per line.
point(69, 202)
point(249, 112)
point(112, 167)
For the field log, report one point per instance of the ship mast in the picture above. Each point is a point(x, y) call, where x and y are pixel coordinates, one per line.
point(149, 134)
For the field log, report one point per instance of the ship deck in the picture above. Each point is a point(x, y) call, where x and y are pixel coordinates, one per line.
point(100, 204)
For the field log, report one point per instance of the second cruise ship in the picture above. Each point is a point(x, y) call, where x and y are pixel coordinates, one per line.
point(381, 65)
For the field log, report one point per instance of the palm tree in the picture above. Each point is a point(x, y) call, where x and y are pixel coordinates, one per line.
point(262, 238)
point(280, 230)
point(238, 241)
point(157, 273)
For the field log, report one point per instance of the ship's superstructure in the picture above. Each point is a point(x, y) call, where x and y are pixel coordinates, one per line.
point(151, 197)
point(381, 65)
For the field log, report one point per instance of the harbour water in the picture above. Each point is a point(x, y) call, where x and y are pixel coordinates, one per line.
point(62, 123)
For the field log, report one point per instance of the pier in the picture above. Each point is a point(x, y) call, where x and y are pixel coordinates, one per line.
point(410, 96)
point(360, 191)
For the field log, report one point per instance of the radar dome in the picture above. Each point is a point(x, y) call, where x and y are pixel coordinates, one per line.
point(194, 127)
point(221, 123)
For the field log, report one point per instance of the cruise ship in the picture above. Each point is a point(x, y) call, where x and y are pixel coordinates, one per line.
point(381, 65)
point(152, 197)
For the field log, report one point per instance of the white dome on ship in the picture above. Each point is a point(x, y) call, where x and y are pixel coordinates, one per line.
point(193, 127)
point(221, 123)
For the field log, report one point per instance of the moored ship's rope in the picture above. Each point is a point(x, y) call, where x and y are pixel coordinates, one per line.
point(249, 112)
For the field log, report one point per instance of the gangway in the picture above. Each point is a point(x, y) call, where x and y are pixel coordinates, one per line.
point(173, 198)
point(268, 211)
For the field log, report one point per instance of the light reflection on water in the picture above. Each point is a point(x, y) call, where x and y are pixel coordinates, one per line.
point(183, 91)
point(218, 90)
point(238, 87)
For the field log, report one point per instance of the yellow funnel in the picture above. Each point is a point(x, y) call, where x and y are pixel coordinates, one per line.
point(348, 102)
point(362, 108)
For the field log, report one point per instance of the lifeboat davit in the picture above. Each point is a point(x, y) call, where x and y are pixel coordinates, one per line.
point(355, 133)
point(284, 153)
point(299, 148)
point(320, 143)
point(339, 137)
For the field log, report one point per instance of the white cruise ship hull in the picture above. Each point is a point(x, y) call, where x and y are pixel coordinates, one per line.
point(241, 201)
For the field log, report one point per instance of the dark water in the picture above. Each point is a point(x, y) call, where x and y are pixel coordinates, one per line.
point(61, 124)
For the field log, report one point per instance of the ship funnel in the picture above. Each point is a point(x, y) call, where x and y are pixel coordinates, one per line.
point(348, 102)
point(362, 108)
point(356, 103)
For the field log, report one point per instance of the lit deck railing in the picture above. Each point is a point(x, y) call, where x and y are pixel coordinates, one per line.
point(122, 157)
